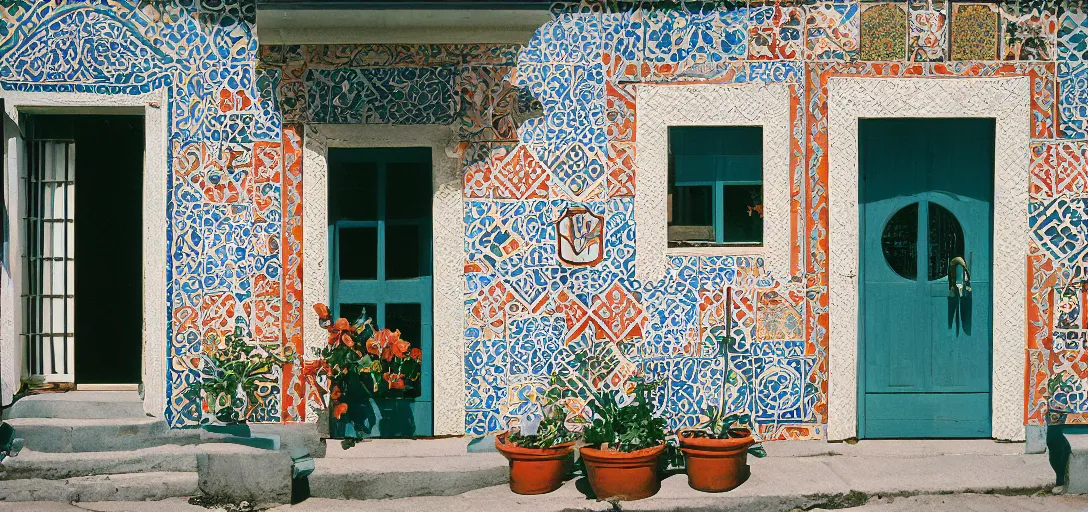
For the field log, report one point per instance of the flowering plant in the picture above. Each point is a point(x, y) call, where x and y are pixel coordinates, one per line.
point(237, 376)
point(385, 364)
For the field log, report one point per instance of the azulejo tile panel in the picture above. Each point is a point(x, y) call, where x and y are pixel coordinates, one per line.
point(883, 31)
point(928, 31)
point(975, 32)
point(546, 138)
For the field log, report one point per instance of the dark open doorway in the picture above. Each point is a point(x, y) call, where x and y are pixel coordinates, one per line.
point(84, 245)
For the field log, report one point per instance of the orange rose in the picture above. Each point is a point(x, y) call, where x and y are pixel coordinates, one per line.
point(373, 347)
point(335, 395)
point(322, 310)
point(416, 354)
point(400, 348)
point(339, 410)
point(342, 325)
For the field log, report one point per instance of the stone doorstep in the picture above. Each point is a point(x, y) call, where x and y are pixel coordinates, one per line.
point(124, 487)
point(78, 405)
point(397, 448)
point(400, 477)
point(98, 435)
point(59, 466)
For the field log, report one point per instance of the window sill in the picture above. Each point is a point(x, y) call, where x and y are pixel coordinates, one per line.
point(717, 250)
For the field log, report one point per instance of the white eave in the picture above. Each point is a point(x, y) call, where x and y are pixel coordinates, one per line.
point(418, 26)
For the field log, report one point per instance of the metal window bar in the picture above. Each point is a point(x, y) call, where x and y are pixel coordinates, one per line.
point(48, 325)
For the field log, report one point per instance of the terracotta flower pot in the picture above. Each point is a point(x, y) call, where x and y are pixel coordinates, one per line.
point(715, 465)
point(623, 476)
point(536, 470)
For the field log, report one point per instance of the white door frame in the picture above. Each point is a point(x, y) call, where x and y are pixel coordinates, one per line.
point(1008, 101)
point(153, 108)
point(448, 249)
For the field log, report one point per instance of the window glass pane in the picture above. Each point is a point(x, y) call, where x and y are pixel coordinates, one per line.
point(353, 311)
point(692, 212)
point(402, 252)
point(742, 214)
point(899, 242)
point(358, 253)
point(715, 184)
point(409, 320)
point(945, 240)
point(353, 191)
point(409, 191)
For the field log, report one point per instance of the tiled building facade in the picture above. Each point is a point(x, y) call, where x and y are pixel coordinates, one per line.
point(570, 129)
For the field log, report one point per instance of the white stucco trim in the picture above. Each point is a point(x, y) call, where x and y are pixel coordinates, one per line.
point(153, 107)
point(448, 239)
point(404, 26)
point(1007, 100)
point(662, 106)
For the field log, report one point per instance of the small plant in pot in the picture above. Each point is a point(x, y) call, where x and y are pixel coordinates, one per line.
point(625, 443)
point(716, 454)
point(540, 452)
point(234, 371)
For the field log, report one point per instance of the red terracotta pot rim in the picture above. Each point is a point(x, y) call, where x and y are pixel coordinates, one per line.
point(559, 450)
point(645, 454)
point(711, 443)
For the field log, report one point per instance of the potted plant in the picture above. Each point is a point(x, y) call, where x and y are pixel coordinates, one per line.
point(369, 371)
point(625, 443)
point(716, 452)
point(540, 452)
point(716, 455)
point(233, 370)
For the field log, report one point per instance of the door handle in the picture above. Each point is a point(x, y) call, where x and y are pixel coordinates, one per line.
point(955, 289)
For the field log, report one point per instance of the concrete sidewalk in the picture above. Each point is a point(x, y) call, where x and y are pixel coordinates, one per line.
point(802, 475)
point(795, 475)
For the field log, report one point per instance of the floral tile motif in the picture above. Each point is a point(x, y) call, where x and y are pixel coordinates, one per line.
point(928, 41)
point(775, 32)
point(975, 32)
point(1032, 36)
point(1073, 100)
point(1073, 36)
point(833, 31)
point(883, 31)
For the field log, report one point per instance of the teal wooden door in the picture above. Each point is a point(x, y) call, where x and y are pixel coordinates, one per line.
point(926, 198)
point(380, 247)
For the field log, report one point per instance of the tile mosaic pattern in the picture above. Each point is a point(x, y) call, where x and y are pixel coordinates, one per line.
point(883, 31)
point(1032, 36)
point(975, 32)
point(544, 131)
point(928, 31)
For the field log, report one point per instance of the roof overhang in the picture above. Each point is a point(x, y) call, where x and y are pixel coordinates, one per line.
point(293, 22)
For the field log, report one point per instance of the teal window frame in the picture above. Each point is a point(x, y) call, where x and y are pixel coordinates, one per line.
point(720, 153)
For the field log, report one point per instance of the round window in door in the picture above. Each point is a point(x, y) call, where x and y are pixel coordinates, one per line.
point(899, 242)
point(945, 240)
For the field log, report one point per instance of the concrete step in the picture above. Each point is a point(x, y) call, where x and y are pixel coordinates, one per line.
point(32, 464)
point(156, 485)
point(400, 477)
point(79, 405)
point(98, 435)
point(381, 448)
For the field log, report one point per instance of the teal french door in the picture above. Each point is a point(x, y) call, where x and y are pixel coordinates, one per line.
point(380, 262)
point(926, 206)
